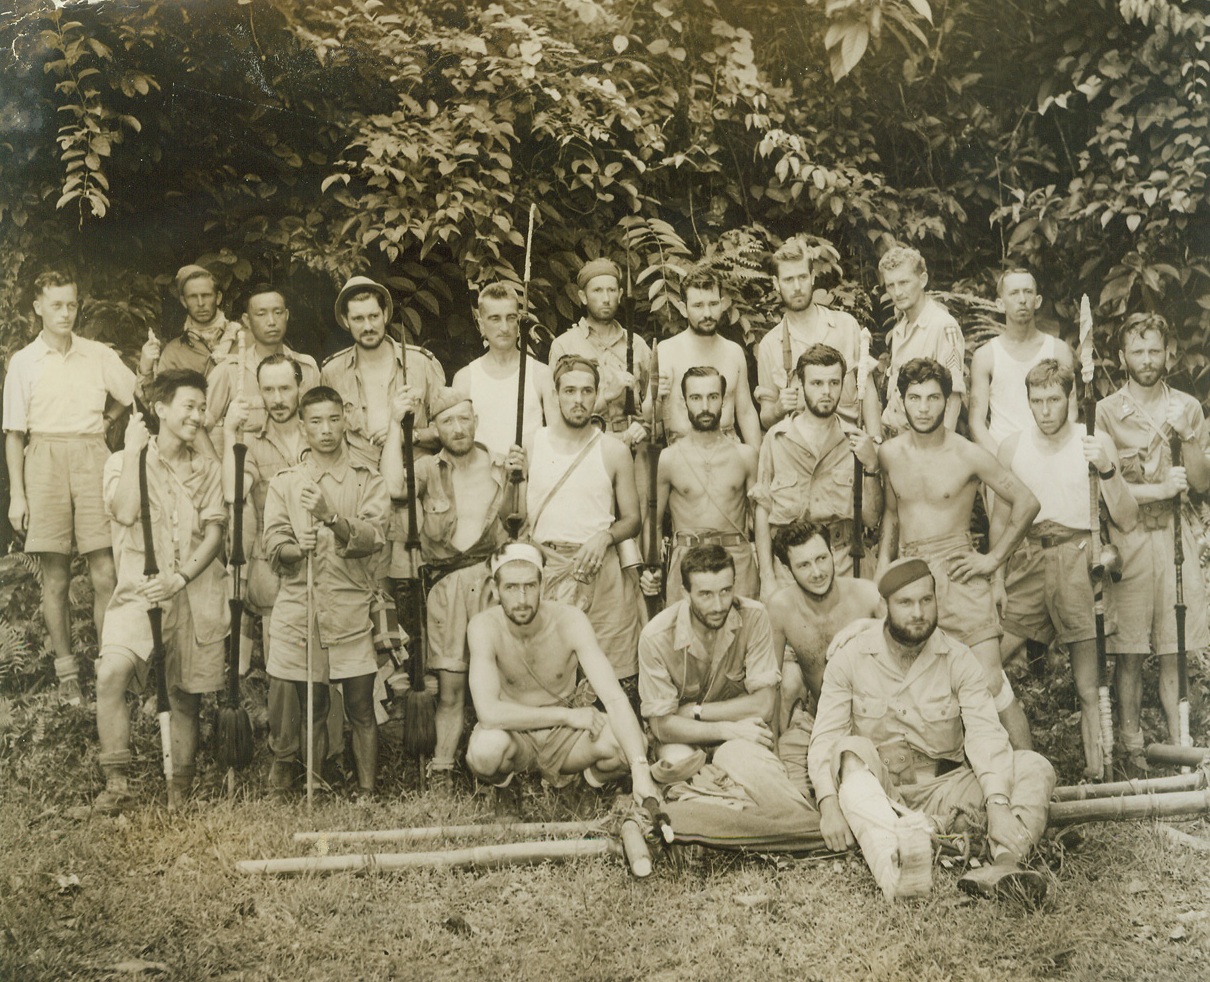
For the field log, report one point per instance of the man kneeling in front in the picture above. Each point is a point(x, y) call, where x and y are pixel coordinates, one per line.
point(907, 743)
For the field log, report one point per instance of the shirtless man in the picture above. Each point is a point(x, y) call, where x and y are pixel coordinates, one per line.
point(525, 656)
point(704, 479)
point(491, 380)
point(701, 344)
point(459, 491)
point(581, 502)
point(1046, 580)
point(998, 402)
point(932, 476)
point(804, 324)
point(806, 468)
point(805, 617)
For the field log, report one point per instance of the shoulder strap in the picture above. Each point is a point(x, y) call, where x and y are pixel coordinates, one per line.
point(533, 520)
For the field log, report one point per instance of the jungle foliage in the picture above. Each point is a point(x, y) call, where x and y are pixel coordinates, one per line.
point(301, 142)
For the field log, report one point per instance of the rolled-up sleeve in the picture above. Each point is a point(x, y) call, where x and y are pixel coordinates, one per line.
point(119, 380)
point(761, 670)
point(658, 693)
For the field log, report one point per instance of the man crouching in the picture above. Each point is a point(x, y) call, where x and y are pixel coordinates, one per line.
point(524, 656)
point(907, 740)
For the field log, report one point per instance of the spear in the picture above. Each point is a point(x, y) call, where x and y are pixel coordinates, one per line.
point(155, 616)
point(856, 543)
point(1178, 556)
point(652, 557)
point(515, 518)
point(1096, 568)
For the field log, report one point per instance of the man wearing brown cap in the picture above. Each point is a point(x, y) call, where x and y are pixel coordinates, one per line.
point(459, 491)
point(907, 744)
point(525, 658)
point(370, 375)
point(207, 337)
point(598, 336)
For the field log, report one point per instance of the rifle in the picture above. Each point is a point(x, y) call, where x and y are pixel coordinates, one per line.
point(515, 518)
point(857, 537)
point(419, 720)
point(656, 427)
point(629, 408)
point(1096, 568)
point(155, 616)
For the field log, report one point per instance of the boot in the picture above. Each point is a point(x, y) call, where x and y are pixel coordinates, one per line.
point(897, 848)
point(1005, 879)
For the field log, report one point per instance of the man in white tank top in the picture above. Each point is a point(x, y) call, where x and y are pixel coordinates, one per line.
point(491, 380)
point(1046, 578)
point(998, 404)
point(581, 502)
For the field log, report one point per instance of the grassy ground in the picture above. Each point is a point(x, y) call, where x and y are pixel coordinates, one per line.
point(155, 895)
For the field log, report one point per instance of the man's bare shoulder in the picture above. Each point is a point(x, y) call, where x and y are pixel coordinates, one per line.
point(981, 361)
point(862, 593)
point(613, 451)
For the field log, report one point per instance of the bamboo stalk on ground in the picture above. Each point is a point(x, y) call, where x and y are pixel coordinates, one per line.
point(428, 833)
point(510, 854)
point(1131, 808)
point(1167, 753)
point(1118, 789)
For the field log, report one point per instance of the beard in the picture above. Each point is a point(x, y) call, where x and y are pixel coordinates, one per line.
point(912, 633)
point(814, 408)
point(705, 422)
point(924, 430)
point(704, 328)
point(1147, 378)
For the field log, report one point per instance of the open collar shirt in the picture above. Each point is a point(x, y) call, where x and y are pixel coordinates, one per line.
point(939, 704)
point(795, 481)
point(435, 495)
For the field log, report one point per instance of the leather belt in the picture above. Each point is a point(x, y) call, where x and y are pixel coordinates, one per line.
point(690, 539)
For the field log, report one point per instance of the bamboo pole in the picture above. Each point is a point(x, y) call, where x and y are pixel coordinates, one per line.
point(1167, 753)
point(509, 854)
point(428, 833)
point(1117, 789)
point(634, 848)
point(1130, 808)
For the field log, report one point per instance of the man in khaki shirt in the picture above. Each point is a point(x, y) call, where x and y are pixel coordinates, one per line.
point(207, 336)
point(905, 717)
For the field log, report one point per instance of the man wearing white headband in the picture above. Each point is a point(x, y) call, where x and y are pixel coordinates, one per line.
point(525, 656)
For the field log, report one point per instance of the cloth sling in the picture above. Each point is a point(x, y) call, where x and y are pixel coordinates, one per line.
point(579, 459)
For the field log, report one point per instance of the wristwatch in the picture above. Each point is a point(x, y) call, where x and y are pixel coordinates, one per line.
point(697, 712)
point(331, 522)
point(1106, 475)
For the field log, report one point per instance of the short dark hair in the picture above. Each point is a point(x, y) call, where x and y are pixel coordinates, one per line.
point(259, 289)
point(1050, 371)
point(318, 394)
point(165, 386)
point(798, 533)
point(820, 354)
point(1139, 324)
point(705, 559)
point(499, 290)
point(920, 370)
point(1014, 271)
point(704, 371)
point(701, 279)
point(52, 277)
point(280, 358)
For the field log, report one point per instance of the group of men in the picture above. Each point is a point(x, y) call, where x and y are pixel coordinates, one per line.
point(773, 679)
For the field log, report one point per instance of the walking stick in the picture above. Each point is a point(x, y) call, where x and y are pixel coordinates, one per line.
point(1178, 554)
point(310, 679)
point(515, 518)
point(234, 727)
point(652, 559)
point(419, 720)
point(1096, 568)
point(155, 616)
point(857, 539)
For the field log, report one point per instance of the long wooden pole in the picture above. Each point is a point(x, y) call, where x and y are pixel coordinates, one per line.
point(155, 617)
point(431, 832)
point(1166, 753)
point(509, 854)
point(1118, 789)
point(1131, 808)
point(1182, 662)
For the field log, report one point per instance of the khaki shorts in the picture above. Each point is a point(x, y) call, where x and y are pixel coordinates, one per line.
point(966, 611)
point(1050, 592)
point(344, 660)
point(63, 488)
point(546, 751)
point(452, 602)
point(1145, 599)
